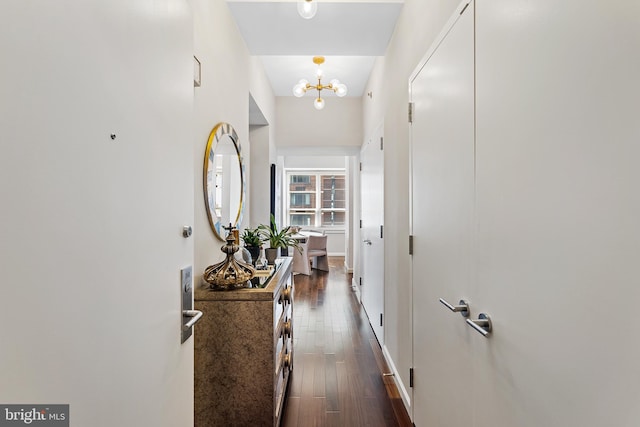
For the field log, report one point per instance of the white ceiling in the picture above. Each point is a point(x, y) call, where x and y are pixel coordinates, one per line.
point(349, 34)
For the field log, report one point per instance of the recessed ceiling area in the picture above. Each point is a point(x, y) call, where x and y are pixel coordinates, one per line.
point(349, 34)
point(285, 71)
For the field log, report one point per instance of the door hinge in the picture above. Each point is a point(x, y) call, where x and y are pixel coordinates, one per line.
point(410, 377)
point(360, 223)
point(411, 112)
point(381, 143)
point(464, 8)
point(381, 231)
point(360, 281)
point(360, 166)
point(410, 245)
point(380, 319)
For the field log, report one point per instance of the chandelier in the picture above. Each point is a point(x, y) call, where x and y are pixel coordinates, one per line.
point(303, 85)
point(307, 8)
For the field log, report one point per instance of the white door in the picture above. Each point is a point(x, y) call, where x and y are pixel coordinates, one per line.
point(372, 233)
point(552, 249)
point(558, 208)
point(97, 183)
point(442, 156)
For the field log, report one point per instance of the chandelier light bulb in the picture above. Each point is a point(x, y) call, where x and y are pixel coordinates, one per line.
point(301, 88)
point(318, 103)
point(298, 90)
point(341, 89)
point(319, 73)
point(307, 8)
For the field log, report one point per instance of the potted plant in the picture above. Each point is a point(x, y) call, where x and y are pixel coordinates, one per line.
point(277, 239)
point(252, 239)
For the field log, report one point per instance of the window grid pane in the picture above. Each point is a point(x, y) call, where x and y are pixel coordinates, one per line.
point(306, 183)
point(332, 218)
point(302, 219)
point(302, 201)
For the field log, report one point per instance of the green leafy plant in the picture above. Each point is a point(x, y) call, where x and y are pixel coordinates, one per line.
point(278, 239)
point(252, 237)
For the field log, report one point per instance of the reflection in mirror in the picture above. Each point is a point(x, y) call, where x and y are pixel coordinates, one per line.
point(223, 179)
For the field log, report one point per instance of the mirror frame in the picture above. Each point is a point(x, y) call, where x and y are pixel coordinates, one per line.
point(219, 131)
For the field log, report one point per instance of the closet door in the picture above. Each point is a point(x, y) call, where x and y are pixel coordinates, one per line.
point(372, 245)
point(442, 194)
point(558, 208)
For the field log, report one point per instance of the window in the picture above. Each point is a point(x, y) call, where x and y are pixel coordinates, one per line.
point(316, 199)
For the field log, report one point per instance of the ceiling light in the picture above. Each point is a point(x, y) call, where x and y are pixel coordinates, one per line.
point(307, 8)
point(303, 85)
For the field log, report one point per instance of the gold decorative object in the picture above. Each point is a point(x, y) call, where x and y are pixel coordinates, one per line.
point(229, 274)
point(335, 86)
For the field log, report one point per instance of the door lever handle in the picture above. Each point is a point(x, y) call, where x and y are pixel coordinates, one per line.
point(463, 308)
point(367, 242)
point(195, 316)
point(482, 325)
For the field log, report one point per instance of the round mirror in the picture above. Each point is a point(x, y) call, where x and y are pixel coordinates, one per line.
point(223, 179)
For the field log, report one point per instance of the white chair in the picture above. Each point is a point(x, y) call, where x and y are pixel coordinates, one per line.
point(315, 248)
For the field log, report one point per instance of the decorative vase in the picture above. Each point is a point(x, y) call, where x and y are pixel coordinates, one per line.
point(261, 262)
point(231, 273)
point(271, 254)
point(255, 253)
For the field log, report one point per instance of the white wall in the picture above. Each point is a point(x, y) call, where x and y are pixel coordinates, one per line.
point(91, 226)
point(263, 144)
point(229, 74)
point(337, 127)
point(314, 162)
point(419, 23)
point(260, 173)
point(352, 261)
point(262, 93)
point(223, 97)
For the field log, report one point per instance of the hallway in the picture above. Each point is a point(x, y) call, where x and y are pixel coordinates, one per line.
point(337, 378)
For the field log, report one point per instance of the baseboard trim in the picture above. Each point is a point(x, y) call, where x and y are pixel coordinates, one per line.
point(356, 289)
point(347, 269)
point(406, 399)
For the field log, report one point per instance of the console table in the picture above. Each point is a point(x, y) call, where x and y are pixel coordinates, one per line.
point(243, 353)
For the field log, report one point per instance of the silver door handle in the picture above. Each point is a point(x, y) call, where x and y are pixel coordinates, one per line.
point(195, 316)
point(367, 242)
point(463, 308)
point(482, 325)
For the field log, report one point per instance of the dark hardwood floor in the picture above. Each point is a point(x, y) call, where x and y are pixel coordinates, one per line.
point(337, 363)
